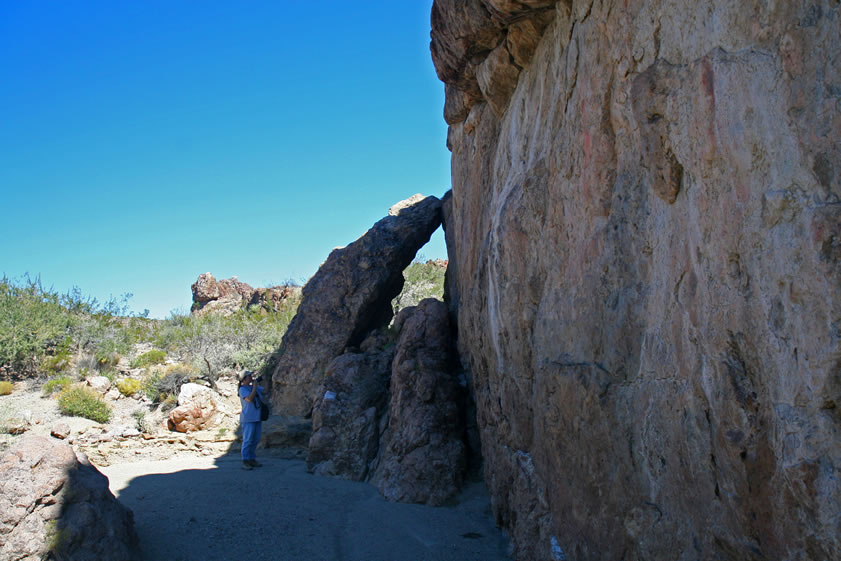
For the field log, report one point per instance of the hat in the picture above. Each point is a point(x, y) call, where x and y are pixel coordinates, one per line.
point(246, 373)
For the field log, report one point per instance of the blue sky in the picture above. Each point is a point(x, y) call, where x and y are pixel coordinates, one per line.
point(144, 143)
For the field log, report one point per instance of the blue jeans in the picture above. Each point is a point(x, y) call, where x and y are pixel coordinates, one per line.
point(250, 438)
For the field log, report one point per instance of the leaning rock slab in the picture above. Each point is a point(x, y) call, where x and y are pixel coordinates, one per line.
point(55, 504)
point(347, 298)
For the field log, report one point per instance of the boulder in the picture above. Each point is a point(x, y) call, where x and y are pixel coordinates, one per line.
point(55, 504)
point(346, 299)
point(198, 408)
point(99, 383)
point(644, 239)
point(346, 414)
point(422, 455)
point(191, 392)
point(15, 425)
point(60, 431)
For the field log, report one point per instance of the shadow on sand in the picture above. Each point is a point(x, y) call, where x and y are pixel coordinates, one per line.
point(218, 511)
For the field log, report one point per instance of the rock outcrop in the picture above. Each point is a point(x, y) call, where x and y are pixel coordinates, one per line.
point(347, 412)
point(346, 299)
point(55, 504)
point(422, 453)
point(227, 296)
point(644, 234)
point(392, 412)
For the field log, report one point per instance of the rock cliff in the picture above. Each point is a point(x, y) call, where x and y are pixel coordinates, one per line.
point(645, 238)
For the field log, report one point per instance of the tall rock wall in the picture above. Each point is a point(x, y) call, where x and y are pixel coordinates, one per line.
point(646, 225)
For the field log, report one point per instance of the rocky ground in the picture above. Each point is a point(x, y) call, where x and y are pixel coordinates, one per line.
point(192, 501)
point(136, 431)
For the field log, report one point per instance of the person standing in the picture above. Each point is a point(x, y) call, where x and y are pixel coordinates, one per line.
point(251, 397)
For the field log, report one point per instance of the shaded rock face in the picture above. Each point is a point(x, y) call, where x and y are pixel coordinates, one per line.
point(346, 414)
point(281, 431)
point(56, 505)
point(227, 296)
point(645, 229)
point(392, 413)
point(346, 299)
point(422, 456)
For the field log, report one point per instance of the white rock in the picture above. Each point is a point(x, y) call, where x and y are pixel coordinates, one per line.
point(99, 383)
point(189, 392)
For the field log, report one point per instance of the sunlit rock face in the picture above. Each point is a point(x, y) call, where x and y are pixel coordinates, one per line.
point(646, 228)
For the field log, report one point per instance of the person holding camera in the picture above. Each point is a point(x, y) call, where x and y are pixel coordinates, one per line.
point(252, 399)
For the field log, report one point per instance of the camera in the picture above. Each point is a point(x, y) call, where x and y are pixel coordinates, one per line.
point(259, 379)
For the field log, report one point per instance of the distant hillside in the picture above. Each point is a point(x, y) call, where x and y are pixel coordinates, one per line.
point(423, 280)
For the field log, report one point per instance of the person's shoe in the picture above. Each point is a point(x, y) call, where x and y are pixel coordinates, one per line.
point(246, 464)
point(255, 463)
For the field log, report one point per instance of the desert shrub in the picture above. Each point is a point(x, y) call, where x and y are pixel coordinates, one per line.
point(142, 421)
point(150, 386)
point(170, 383)
point(32, 321)
point(58, 362)
point(79, 401)
point(158, 386)
point(168, 404)
point(155, 356)
point(39, 327)
point(6, 388)
point(214, 343)
point(108, 359)
point(129, 386)
point(110, 373)
point(56, 385)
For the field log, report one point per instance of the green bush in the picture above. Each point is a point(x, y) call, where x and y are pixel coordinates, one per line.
point(108, 359)
point(170, 383)
point(32, 321)
point(155, 356)
point(170, 403)
point(56, 384)
point(6, 388)
point(143, 424)
point(58, 362)
point(79, 401)
point(422, 280)
point(150, 387)
point(129, 386)
point(214, 343)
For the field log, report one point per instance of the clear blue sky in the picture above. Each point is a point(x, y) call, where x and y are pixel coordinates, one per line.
point(144, 143)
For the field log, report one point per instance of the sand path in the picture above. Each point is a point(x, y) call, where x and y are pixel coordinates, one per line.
point(206, 509)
